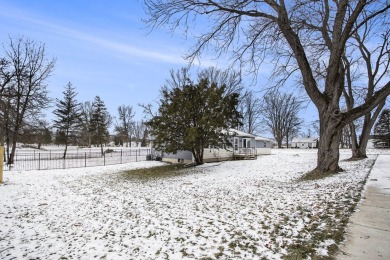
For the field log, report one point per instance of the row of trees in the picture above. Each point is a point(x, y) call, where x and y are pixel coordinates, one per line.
point(24, 70)
point(88, 123)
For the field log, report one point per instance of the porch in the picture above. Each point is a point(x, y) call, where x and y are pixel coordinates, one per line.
point(245, 154)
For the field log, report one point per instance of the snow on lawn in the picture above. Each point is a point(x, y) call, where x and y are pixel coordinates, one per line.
point(239, 209)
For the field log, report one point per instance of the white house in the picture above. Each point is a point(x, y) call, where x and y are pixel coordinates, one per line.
point(243, 145)
point(263, 145)
point(304, 143)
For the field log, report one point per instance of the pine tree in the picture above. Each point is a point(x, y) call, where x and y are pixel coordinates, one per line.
point(382, 130)
point(100, 121)
point(192, 117)
point(68, 113)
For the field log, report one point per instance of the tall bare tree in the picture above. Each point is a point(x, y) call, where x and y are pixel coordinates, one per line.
point(125, 126)
point(251, 113)
point(27, 95)
point(280, 113)
point(139, 129)
point(86, 115)
point(374, 57)
point(308, 37)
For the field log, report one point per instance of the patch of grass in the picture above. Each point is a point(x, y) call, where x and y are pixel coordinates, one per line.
point(316, 175)
point(165, 171)
point(354, 159)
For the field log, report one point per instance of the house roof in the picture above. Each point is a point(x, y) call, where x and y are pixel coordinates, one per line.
point(304, 140)
point(259, 138)
point(239, 133)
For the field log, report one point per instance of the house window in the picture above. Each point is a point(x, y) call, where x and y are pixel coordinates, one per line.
point(246, 143)
point(265, 145)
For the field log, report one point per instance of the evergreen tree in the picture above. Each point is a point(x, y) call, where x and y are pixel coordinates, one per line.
point(68, 113)
point(193, 117)
point(382, 130)
point(100, 121)
point(59, 137)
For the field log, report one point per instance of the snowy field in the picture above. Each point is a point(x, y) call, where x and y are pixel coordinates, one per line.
point(233, 210)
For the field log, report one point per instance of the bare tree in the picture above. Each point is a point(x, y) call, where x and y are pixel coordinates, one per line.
point(251, 112)
point(230, 78)
point(308, 37)
point(346, 137)
point(125, 126)
point(293, 130)
point(86, 115)
point(6, 75)
point(178, 79)
point(36, 132)
point(139, 129)
point(280, 113)
point(374, 58)
point(27, 95)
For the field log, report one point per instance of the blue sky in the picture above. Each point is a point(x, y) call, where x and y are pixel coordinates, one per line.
point(102, 47)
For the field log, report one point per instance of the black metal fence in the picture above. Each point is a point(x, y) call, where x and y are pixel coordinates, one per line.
point(51, 160)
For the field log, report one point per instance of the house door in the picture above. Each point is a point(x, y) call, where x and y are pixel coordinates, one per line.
point(235, 144)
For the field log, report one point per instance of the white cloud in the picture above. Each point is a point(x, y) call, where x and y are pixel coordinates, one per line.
point(111, 45)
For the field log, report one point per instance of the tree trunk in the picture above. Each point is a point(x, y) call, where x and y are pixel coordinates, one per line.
point(287, 140)
point(8, 146)
point(279, 141)
point(359, 150)
point(198, 156)
point(354, 140)
point(66, 148)
point(331, 127)
point(13, 150)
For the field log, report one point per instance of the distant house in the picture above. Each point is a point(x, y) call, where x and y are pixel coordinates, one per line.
point(243, 145)
point(304, 143)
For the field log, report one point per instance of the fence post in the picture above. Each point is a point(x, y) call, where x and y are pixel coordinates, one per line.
point(39, 161)
point(136, 158)
point(121, 156)
point(1, 163)
point(85, 159)
point(104, 156)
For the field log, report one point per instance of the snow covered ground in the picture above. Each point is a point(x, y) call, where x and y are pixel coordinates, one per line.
point(239, 209)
